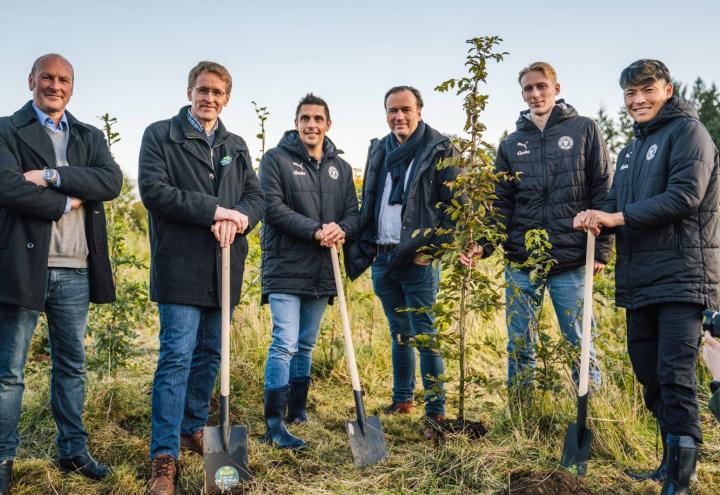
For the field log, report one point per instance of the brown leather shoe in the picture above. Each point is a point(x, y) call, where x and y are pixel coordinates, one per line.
point(431, 426)
point(193, 442)
point(164, 475)
point(399, 408)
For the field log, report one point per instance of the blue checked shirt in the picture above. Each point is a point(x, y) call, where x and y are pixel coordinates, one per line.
point(49, 123)
point(209, 136)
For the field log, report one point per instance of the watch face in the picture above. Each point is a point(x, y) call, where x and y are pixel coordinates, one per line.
point(49, 175)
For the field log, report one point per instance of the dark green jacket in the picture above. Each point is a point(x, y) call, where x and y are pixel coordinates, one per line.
point(178, 181)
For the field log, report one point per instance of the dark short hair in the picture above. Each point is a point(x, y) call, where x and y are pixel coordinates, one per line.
point(644, 71)
point(399, 89)
point(207, 66)
point(311, 99)
point(43, 58)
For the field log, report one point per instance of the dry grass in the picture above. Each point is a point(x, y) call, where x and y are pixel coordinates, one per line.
point(527, 437)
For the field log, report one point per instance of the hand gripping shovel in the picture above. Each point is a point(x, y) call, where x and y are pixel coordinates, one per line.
point(225, 449)
point(367, 440)
point(578, 438)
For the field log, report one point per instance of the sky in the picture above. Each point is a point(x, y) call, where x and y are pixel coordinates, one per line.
point(131, 57)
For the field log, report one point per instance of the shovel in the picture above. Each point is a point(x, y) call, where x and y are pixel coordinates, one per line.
point(367, 440)
point(578, 438)
point(225, 449)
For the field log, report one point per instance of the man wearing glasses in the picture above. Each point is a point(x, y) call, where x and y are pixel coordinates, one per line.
point(197, 182)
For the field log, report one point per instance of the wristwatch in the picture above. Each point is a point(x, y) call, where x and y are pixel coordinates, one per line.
point(50, 176)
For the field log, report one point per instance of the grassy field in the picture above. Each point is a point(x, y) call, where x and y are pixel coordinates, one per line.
point(526, 436)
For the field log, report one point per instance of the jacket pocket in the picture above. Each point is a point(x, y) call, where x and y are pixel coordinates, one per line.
point(7, 223)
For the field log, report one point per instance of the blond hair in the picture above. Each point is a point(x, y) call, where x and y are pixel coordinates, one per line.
point(543, 67)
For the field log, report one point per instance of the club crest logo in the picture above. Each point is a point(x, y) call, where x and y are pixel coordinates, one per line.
point(333, 172)
point(226, 160)
point(566, 143)
point(651, 152)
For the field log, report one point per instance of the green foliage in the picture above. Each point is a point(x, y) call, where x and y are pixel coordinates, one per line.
point(113, 327)
point(262, 115)
point(462, 290)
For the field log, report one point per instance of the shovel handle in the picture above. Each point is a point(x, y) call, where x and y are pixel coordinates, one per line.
point(225, 324)
point(587, 316)
point(349, 349)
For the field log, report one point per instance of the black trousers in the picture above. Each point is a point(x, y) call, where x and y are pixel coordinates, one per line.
point(663, 343)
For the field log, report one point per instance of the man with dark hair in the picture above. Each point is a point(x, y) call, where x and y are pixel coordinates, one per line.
point(310, 205)
point(55, 173)
point(197, 182)
point(663, 205)
point(399, 217)
point(562, 167)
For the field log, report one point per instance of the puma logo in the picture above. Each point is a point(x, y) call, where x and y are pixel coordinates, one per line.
point(522, 145)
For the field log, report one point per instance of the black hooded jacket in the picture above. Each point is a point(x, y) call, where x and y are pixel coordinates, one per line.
point(562, 170)
point(666, 186)
point(300, 196)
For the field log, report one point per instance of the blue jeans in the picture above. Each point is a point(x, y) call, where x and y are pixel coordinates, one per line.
point(296, 322)
point(185, 376)
point(66, 307)
point(523, 301)
point(412, 286)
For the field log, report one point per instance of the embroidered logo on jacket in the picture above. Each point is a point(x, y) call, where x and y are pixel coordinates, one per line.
point(525, 149)
point(626, 161)
point(226, 160)
point(565, 143)
point(299, 166)
point(651, 152)
point(333, 172)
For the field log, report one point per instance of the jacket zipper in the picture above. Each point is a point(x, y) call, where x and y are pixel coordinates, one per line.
point(544, 178)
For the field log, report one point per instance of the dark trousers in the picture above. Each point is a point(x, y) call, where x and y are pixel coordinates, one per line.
point(663, 343)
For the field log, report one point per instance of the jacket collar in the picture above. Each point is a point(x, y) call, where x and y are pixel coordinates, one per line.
point(181, 130)
point(31, 132)
point(673, 109)
point(290, 142)
point(560, 112)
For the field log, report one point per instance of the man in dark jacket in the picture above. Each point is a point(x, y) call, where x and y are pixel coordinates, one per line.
point(310, 205)
point(399, 218)
point(197, 183)
point(55, 172)
point(663, 205)
point(559, 166)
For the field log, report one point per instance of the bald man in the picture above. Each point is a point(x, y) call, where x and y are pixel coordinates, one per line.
point(55, 172)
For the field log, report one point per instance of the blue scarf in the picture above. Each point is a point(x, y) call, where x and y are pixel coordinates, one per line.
point(398, 157)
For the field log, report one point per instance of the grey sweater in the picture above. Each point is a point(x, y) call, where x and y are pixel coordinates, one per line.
point(68, 244)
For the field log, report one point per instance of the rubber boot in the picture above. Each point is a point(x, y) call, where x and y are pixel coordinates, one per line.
point(6, 468)
point(297, 401)
point(277, 433)
point(682, 456)
point(658, 474)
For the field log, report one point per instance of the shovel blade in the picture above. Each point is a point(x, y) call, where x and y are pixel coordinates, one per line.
point(225, 469)
point(369, 447)
point(576, 454)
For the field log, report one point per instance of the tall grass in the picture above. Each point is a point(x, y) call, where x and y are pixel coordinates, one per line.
point(526, 435)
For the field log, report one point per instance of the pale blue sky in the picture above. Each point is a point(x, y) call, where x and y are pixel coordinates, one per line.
point(132, 57)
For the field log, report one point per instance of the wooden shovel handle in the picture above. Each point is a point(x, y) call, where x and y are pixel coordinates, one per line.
point(225, 324)
point(587, 316)
point(349, 349)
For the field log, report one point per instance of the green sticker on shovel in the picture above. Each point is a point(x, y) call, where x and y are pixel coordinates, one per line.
point(227, 477)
